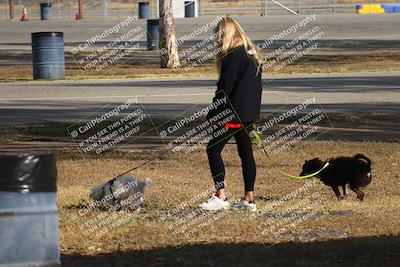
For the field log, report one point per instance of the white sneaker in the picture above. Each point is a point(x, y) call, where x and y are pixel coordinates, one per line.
point(214, 203)
point(244, 204)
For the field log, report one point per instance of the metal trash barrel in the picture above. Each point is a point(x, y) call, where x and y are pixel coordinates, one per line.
point(153, 34)
point(28, 211)
point(45, 11)
point(189, 9)
point(48, 55)
point(144, 10)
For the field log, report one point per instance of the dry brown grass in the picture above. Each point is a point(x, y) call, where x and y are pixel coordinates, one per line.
point(179, 177)
point(324, 63)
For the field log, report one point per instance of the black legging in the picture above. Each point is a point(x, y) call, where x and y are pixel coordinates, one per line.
point(245, 150)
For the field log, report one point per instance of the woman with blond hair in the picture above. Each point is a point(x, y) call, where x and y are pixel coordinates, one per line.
point(239, 68)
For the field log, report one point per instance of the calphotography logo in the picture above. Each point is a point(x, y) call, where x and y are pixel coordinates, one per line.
point(103, 131)
point(94, 57)
point(305, 37)
point(199, 133)
point(287, 129)
point(198, 126)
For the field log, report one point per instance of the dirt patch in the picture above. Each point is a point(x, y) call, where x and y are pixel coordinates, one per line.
point(325, 62)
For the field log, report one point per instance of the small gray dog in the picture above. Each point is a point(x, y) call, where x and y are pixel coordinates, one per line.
point(121, 192)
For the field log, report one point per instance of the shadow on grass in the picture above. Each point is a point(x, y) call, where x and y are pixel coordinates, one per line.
point(362, 251)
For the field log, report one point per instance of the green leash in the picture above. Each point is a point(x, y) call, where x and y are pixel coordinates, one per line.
point(256, 138)
point(306, 176)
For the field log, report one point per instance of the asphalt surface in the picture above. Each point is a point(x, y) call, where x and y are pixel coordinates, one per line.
point(359, 107)
point(349, 30)
point(68, 101)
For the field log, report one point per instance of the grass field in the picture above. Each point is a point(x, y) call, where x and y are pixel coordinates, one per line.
point(331, 233)
point(325, 62)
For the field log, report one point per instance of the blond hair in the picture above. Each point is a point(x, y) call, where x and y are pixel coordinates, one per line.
point(229, 35)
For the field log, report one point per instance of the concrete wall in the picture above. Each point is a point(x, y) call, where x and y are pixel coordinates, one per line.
point(179, 8)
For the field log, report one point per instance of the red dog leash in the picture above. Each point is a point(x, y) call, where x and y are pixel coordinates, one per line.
point(233, 125)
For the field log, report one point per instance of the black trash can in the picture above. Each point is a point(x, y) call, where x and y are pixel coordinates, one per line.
point(48, 55)
point(189, 9)
point(45, 11)
point(28, 211)
point(153, 34)
point(144, 10)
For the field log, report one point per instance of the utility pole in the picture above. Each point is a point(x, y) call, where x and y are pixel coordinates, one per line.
point(59, 8)
point(104, 8)
point(369, 6)
point(11, 4)
point(80, 9)
point(262, 13)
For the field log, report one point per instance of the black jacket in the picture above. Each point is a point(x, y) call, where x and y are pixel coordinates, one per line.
point(239, 82)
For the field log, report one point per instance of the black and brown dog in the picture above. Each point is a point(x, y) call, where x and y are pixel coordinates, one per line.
point(355, 171)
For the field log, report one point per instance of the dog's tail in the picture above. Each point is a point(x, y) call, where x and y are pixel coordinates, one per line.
point(364, 158)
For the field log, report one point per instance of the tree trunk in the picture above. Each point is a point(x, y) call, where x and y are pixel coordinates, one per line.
point(168, 46)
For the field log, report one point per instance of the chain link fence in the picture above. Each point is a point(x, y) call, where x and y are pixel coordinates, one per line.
point(67, 9)
point(108, 9)
point(280, 7)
